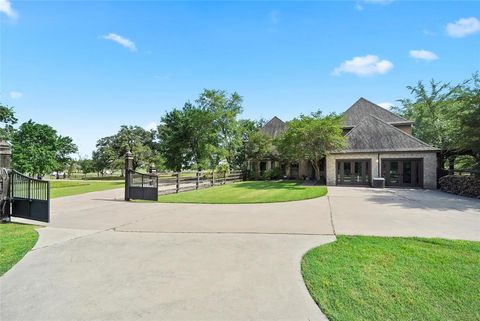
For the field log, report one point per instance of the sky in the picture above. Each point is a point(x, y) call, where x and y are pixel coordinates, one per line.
point(87, 67)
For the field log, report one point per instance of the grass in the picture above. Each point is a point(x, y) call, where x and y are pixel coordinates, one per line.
point(67, 188)
point(15, 241)
point(248, 193)
point(375, 278)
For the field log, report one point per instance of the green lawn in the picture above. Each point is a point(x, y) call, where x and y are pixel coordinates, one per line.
point(15, 241)
point(248, 192)
point(375, 278)
point(66, 188)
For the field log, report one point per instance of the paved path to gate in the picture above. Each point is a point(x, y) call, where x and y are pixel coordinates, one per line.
point(104, 259)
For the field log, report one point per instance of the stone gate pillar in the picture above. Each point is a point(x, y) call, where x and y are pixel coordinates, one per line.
point(5, 155)
point(128, 168)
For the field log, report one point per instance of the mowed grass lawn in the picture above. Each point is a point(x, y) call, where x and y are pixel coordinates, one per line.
point(15, 241)
point(67, 188)
point(375, 278)
point(247, 193)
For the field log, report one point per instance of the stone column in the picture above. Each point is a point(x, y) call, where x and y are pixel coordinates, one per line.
point(5, 155)
point(128, 168)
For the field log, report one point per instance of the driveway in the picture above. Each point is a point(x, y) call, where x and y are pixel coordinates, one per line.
point(104, 259)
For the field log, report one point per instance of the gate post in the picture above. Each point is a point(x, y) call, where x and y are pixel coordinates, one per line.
point(177, 183)
point(198, 180)
point(128, 168)
point(5, 161)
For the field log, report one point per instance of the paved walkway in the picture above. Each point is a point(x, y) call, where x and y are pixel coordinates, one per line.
point(104, 259)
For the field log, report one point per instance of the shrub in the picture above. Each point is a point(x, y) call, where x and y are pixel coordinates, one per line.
point(274, 173)
point(461, 185)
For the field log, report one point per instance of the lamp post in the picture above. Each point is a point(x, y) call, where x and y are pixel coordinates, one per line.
point(245, 141)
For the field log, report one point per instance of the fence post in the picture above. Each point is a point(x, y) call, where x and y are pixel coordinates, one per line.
point(198, 180)
point(224, 177)
point(178, 182)
point(128, 168)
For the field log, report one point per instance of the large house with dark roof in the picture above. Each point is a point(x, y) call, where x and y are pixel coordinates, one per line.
point(379, 144)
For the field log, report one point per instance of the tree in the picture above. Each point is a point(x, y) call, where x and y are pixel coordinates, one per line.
point(311, 138)
point(111, 149)
point(37, 149)
point(470, 117)
point(7, 119)
point(86, 166)
point(445, 116)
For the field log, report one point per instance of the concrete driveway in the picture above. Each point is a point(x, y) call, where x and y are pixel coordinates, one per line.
point(104, 259)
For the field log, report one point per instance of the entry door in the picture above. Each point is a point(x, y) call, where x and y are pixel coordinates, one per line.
point(402, 172)
point(353, 172)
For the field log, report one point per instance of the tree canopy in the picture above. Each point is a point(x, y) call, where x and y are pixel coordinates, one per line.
point(311, 137)
point(37, 149)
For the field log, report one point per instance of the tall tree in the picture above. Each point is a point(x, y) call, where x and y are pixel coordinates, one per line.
point(312, 137)
point(37, 149)
point(470, 117)
point(7, 119)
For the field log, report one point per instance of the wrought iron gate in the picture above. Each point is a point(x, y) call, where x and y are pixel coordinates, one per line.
point(29, 197)
point(141, 186)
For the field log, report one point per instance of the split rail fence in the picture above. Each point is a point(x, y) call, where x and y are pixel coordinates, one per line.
point(189, 181)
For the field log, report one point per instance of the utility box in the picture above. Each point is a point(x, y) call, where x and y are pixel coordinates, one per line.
point(378, 182)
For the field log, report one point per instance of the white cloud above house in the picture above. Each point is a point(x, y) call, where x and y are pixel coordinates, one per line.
point(385, 105)
point(6, 9)
point(368, 65)
point(127, 43)
point(463, 27)
point(16, 94)
point(423, 55)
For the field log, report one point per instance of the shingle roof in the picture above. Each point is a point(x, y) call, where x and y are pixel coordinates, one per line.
point(362, 108)
point(274, 128)
point(373, 134)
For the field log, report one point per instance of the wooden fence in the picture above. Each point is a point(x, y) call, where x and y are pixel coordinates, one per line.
point(182, 182)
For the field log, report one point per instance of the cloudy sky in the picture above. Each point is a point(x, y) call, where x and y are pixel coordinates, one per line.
point(88, 67)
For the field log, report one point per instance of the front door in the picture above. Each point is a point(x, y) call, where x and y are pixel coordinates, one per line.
point(402, 172)
point(353, 172)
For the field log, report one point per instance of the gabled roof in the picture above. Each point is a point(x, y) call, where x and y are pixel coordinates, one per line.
point(274, 128)
point(362, 108)
point(373, 134)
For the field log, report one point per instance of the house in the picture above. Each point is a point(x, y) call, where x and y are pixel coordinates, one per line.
point(379, 144)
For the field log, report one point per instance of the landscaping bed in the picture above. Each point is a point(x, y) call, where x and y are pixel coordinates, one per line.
point(377, 278)
point(15, 241)
point(248, 192)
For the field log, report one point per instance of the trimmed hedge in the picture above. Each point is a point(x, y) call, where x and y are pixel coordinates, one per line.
point(461, 185)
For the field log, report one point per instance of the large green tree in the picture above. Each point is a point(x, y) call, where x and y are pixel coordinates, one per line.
point(445, 116)
point(37, 149)
point(202, 134)
point(311, 137)
point(7, 119)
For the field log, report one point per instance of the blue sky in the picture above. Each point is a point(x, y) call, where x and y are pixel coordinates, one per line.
point(88, 67)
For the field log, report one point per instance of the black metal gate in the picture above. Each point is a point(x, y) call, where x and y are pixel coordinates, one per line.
point(142, 186)
point(29, 197)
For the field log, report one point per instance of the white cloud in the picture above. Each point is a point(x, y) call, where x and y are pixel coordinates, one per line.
point(127, 43)
point(360, 3)
point(463, 27)
point(6, 8)
point(150, 126)
point(16, 94)
point(274, 16)
point(364, 66)
point(423, 55)
point(386, 105)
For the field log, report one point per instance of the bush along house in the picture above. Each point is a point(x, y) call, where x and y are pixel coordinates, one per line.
point(379, 144)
